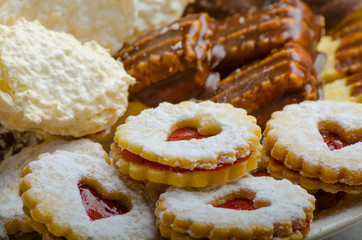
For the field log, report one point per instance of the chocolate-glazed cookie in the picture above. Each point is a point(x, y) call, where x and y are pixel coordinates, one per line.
point(241, 39)
point(170, 64)
point(286, 76)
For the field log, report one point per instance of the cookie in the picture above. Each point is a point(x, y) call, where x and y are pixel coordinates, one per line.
point(11, 171)
point(108, 22)
point(154, 14)
point(82, 196)
point(319, 140)
point(248, 208)
point(53, 83)
point(187, 144)
point(345, 89)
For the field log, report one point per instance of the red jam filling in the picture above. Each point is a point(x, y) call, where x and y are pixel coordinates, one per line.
point(131, 157)
point(238, 204)
point(186, 133)
point(333, 141)
point(97, 207)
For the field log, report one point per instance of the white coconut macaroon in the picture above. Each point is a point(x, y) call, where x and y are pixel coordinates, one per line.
point(53, 83)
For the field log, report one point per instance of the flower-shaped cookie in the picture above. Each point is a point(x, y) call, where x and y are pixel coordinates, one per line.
point(187, 144)
point(248, 208)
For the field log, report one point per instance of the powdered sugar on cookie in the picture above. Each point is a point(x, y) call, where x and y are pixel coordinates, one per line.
point(293, 136)
point(53, 83)
point(108, 22)
point(50, 192)
point(279, 203)
point(234, 134)
point(11, 171)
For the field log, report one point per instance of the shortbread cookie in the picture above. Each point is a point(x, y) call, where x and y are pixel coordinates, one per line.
point(187, 144)
point(82, 196)
point(345, 89)
point(11, 171)
point(319, 139)
point(53, 83)
point(108, 22)
point(154, 14)
point(248, 208)
point(279, 171)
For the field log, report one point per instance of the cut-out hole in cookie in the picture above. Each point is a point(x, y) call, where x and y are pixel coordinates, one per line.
point(238, 204)
point(334, 141)
point(98, 207)
point(186, 133)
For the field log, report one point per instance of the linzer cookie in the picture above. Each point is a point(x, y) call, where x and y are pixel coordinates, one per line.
point(249, 208)
point(11, 171)
point(344, 52)
point(83, 196)
point(286, 76)
point(188, 144)
point(242, 39)
point(279, 171)
point(170, 64)
point(319, 140)
point(345, 89)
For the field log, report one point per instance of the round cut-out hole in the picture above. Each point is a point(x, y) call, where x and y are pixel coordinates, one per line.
point(333, 141)
point(186, 133)
point(238, 204)
point(98, 207)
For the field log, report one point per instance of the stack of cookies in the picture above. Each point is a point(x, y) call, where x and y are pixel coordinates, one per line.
point(177, 119)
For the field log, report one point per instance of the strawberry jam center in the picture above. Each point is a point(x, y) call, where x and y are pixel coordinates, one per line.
point(97, 207)
point(186, 133)
point(333, 141)
point(238, 204)
point(131, 157)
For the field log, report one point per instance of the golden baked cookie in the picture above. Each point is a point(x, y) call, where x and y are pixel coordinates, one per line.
point(345, 89)
point(11, 171)
point(279, 171)
point(82, 196)
point(247, 208)
point(188, 144)
point(319, 140)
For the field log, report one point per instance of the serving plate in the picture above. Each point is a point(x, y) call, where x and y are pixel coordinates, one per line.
point(343, 215)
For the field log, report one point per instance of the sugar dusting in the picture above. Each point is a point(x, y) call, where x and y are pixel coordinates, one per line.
point(297, 129)
point(54, 187)
point(149, 131)
point(11, 171)
point(288, 203)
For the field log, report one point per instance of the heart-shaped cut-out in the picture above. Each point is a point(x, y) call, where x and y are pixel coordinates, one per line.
point(98, 207)
point(334, 141)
